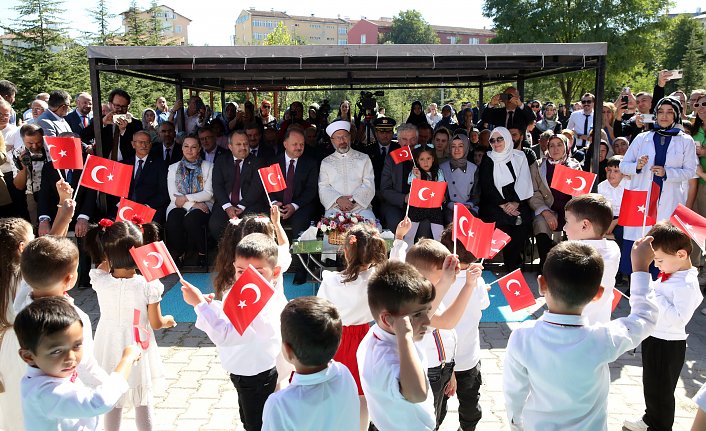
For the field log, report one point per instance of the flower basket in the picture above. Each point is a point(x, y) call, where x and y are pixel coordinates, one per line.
point(336, 226)
point(335, 237)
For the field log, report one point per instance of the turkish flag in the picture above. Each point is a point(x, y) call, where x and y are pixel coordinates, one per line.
point(516, 290)
point(498, 242)
point(134, 212)
point(153, 260)
point(690, 223)
point(272, 178)
point(632, 209)
point(106, 176)
point(65, 152)
point(655, 192)
point(140, 333)
point(426, 194)
point(473, 233)
point(573, 182)
point(402, 154)
point(247, 298)
point(617, 295)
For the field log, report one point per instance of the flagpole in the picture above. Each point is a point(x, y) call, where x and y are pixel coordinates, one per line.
point(481, 260)
point(171, 259)
point(60, 174)
point(455, 235)
point(618, 290)
point(83, 171)
point(701, 246)
point(265, 187)
point(647, 205)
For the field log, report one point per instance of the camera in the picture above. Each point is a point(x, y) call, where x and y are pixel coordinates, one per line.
point(367, 102)
point(505, 97)
point(324, 109)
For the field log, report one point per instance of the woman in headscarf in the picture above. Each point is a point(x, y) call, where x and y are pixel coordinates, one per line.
point(549, 205)
point(664, 157)
point(505, 189)
point(550, 121)
point(416, 114)
point(460, 176)
point(448, 119)
point(191, 194)
point(149, 123)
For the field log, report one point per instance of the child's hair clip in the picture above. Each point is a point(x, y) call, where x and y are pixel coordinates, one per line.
point(352, 239)
point(235, 221)
point(105, 223)
point(138, 220)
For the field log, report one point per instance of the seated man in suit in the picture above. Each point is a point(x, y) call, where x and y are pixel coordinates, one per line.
point(80, 117)
point(116, 135)
point(237, 187)
point(52, 120)
point(149, 176)
point(394, 188)
point(208, 141)
point(378, 153)
point(167, 151)
point(254, 133)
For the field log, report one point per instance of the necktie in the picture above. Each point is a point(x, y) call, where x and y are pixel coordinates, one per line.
point(116, 143)
point(254, 152)
point(85, 121)
point(508, 123)
point(138, 172)
point(383, 153)
point(235, 189)
point(289, 191)
point(69, 175)
point(168, 157)
point(585, 128)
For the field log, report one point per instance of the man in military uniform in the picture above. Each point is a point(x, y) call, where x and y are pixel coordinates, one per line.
point(379, 151)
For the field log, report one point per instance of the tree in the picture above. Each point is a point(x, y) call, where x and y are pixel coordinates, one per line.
point(678, 35)
point(280, 36)
point(410, 27)
point(693, 65)
point(155, 27)
point(101, 17)
point(136, 29)
point(630, 27)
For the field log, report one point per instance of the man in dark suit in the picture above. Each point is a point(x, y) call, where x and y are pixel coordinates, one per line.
point(394, 188)
point(237, 187)
point(378, 152)
point(116, 135)
point(149, 176)
point(52, 120)
point(80, 117)
point(515, 113)
point(168, 150)
point(254, 133)
point(210, 151)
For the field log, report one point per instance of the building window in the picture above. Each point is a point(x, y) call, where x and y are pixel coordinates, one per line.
point(177, 29)
point(452, 40)
point(342, 30)
point(259, 36)
point(473, 41)
point(363, 38)
point(342, 42)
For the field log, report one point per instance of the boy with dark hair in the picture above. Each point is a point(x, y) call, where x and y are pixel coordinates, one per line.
point(50, 335)
point(249, 358)
point(392, 366)
point(322, 394)
point(678, 296)
point(612, 189)
point(556, 368)
point(588, 217)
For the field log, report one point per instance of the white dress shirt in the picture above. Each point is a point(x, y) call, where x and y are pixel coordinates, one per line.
point(614, 195)
point(350, 299)
point(677, 298)
point(287, 159)
point(379, 366)
point(53, 403)
point(599, 311)
point(577, 120)
point(327, 400)
point(13, 140)
point(349, 174)
point(441, 350)
point(137, 164)
point(556, 373)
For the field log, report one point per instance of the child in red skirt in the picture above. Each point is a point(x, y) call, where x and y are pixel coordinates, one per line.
point(363, 250)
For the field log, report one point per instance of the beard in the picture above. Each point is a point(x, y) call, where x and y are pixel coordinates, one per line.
point(343, 150)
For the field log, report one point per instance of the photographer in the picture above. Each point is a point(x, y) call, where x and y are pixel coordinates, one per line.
point(29, 161)
point(367, 109)
point(513, 113)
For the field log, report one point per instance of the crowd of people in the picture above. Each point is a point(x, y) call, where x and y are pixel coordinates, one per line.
point(199, 171)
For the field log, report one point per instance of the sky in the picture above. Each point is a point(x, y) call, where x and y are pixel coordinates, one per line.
point(213, 22)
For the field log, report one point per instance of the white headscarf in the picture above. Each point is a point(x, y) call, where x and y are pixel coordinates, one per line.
point(501, 173)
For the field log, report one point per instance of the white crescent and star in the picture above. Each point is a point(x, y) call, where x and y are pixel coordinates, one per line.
point(404, 153)
point(641, 209)
point(460, 225)
point(94, 173)
point(62, 153)
point(583, 184)
point(160, 259)
point(50, 147)
point(121, 213)
point(269, 179)
point(497, 250)
point(254, 287)
point(510, 283)
point(421, 194)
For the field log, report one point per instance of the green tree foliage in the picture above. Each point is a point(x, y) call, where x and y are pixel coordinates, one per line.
point(630, 27)
point(693, 64)
point(137, 31)
point(410, 27)
point(678, 35)
point(280, 36)
point(101, 17)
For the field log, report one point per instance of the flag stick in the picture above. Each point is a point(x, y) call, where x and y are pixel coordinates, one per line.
point(263, 185)
point(83, 171)
point(618, 290)
point(454, 227)
point(647, 205)
point(406, 213)
point(171, 259)
point(481, 260)
point(58, 171)
point(701, 246)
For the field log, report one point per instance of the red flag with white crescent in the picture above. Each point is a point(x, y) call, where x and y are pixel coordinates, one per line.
point(475, 235)
point(402, 154)
point(427, 194)
point(691, 223)
point(106, 176)
point(272, 178)
point(498, 242)
point(134, 212)
point(516, 290)
point(246, 299)
point(573, 182)
point(632, 209)
point(153, 260)
point(65, 152)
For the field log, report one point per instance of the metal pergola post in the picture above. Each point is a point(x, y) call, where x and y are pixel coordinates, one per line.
point(598, 118)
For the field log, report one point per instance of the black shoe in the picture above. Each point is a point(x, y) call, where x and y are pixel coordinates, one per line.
point(300, 278)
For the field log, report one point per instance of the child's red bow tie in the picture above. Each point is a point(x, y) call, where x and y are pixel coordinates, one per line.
point(663, 276)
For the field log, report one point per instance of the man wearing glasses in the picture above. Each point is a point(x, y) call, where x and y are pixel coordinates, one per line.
point(52, 120)
point(117, 129)
point(514, 113)
point(581, 121)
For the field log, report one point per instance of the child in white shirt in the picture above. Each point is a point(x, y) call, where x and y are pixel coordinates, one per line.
point(323, 394)
point(612, 189)
point(50, 334)
point(587, 219)
point(556, 368)
point(678, 295)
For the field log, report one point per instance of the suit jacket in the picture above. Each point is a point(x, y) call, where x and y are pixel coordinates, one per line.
point(251, 188)
point(51, 126)
point(393, 182)
point(75, 121)
point(220, 151)
point(373, 151)
point(151, 187)
point(158, 152)
point(125, 142)
point(497, 116)
point(265, 153)
point(306, 178)
point(49, 198)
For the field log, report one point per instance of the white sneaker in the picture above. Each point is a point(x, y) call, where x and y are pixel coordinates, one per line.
point(635, 425)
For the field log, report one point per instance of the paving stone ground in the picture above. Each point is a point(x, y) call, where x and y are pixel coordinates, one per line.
point(198, 394)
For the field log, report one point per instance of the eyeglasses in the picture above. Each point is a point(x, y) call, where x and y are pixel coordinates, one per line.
point(498, 140)
point(420, 146)
point(586, 102)
point(697, 104)
point(115, 105)
point(534, 106)
point(266, 106)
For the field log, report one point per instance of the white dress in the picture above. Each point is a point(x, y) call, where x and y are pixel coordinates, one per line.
point(118, 298)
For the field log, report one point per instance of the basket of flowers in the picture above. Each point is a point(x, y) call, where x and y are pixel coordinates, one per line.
point(335, 226)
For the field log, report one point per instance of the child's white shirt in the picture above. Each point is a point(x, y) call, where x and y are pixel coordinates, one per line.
point(599, 311)
point(614, 195)
point(439, 349)
point(556, 368)
point(677, 298)
point(468, 347)
point(379, 367)
point(52, 403)
point(351, 299)
point(327, 400)
point(253, 352)
point(398, 251)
